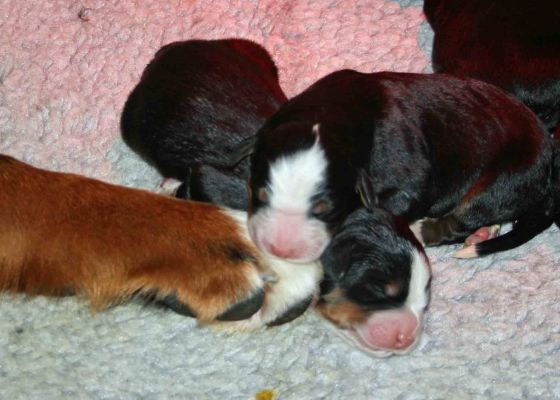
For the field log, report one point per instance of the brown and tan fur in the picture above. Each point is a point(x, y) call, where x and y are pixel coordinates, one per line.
point(62, 233)
point(340, 311)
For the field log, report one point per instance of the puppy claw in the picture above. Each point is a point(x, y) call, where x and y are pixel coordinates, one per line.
point(495, 230)
point(244, 309)
point(466, 252)
point(182, 192)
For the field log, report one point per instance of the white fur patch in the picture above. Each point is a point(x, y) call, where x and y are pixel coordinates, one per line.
point(418, 295)
point(168, 186)
point(294, 179)
point(416, 229)
point(294, 284)
point(283, 227)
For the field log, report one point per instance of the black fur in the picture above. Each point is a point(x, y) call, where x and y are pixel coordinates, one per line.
point(292, 313)
point(435, 145)
point(240, 311)
point(215, 186)
point(372, 250)
point(197, 100)
point(514, 44)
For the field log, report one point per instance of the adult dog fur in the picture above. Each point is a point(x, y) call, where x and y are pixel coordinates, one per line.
point(66, 234)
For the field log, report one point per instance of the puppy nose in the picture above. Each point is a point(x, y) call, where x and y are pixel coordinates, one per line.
point(393, 330)
point(280, 251)
point(403, 340)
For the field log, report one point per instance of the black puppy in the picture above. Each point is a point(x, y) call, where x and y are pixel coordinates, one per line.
point(514, 44)
point(459, 151)
point(197, 100)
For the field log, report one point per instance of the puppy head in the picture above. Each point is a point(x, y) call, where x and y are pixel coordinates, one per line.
point(376, 284)
point(294, 204)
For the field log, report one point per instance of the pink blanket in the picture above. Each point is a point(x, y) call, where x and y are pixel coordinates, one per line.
point(66, 68)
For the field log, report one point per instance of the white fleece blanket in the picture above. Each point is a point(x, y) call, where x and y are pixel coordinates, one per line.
point(66, 67)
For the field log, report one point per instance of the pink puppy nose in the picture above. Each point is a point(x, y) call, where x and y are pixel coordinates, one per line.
point(392, 330)
point(403, 341)
point(280, 251)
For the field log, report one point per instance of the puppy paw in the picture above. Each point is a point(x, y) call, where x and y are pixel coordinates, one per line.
point(483, 234)
point(230, 289)
point(466, 252)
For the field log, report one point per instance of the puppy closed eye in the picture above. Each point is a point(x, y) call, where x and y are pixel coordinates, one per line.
point(321, 207)
point(262, 195)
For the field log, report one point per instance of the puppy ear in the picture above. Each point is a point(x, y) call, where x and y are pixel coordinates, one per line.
point(242, 150)
point(364, 187)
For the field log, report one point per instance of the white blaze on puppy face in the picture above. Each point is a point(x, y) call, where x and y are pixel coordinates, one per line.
point(398, 331)
point(294, 179)
point(283, 227)
point(418, 291)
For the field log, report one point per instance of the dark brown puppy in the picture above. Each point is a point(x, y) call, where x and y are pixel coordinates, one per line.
point(111, 243)
point(197, 100)
point(514, 44)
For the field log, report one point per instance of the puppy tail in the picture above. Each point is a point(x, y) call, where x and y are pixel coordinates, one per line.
point(523, 230)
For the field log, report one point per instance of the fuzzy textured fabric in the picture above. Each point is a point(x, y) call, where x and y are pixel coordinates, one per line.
point(493, 327)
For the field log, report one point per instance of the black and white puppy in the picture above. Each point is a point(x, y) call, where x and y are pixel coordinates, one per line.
point(514, 44)
point(376, 283)
point(456, 150)
point(197, 100)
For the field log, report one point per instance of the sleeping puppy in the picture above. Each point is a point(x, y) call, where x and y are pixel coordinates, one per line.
point(377, 276)
point(514, 44)
point(461, 152)
point(111, 243)
point(197, 100)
